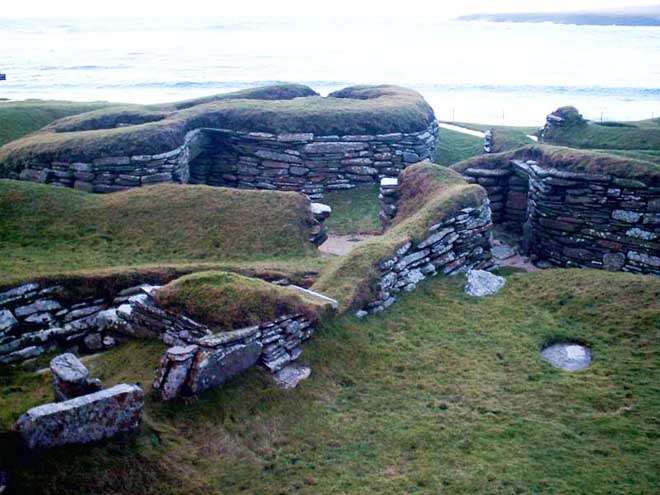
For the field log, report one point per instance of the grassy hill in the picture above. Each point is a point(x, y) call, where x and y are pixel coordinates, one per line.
point(442, 393)
point(24, 117)
point(46, 230)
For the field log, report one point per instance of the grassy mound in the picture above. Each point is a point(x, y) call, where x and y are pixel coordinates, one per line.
point(23, 117)
point(443, 393)
point(430, 193)
point(227, 301)
point(45, 230)
point(360, 110)
point(643, 135)
point(570, 160)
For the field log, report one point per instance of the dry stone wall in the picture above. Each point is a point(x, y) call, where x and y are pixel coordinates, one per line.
point(455, 245)
point(507, 191)
point(577, 219)
point(35, 318)
point(212, 360)
point(305, 162)
point(301, 162)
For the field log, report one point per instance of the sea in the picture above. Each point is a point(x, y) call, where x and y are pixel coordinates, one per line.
point(497, 73)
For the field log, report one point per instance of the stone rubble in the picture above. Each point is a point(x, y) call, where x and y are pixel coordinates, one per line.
point(212, 360)
point(320, 214)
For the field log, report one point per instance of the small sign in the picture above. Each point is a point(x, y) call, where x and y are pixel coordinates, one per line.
point(3, 77)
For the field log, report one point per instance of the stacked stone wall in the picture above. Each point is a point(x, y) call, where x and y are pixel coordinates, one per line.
point(210, 361)
point(455, 245)
point(507, 190)
point(575, 219)
point(301, 162)
point(35, 318)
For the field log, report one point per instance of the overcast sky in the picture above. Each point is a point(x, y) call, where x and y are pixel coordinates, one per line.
point(294, 8)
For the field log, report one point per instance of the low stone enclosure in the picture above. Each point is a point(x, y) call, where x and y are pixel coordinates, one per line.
point(439, 224)
point(575, 209)
point(281, 137)
point(201, 358)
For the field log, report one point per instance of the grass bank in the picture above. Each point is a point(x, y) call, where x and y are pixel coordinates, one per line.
point(18, 118)
point(442, 393)
point(46, 230)
point(454, 147)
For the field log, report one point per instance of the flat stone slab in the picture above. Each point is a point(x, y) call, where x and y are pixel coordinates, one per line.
point(503, 252)
point(84, 419)
point(69, 368)
point(290, 376)
point(481, 283)
point(567, 356)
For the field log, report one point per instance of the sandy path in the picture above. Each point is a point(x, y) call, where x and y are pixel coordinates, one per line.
point(341, 245)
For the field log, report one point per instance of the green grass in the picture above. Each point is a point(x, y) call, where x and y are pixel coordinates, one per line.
point(505, 137)
point(441, 394)
point(642, 136)
point(454, 147)
point(431, 193)
point(354, 211)
point(227, 301)
point(357, 110)
point(46, 230)
point(24, 117)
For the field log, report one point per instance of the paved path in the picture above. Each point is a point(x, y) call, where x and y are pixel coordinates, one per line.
point(462, 130)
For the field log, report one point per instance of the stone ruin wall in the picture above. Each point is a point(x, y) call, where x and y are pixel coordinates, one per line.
point(301, 162)
point(199, 360)
point(455, 245)
point(577, 219)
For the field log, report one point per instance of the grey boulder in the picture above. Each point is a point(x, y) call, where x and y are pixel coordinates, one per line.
point(481, 283)
point(84, 419)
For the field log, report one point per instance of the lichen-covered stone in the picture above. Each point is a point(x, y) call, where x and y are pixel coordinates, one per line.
point(481, 283)
point(7, 320)
point(71, 378)
point(85, 419)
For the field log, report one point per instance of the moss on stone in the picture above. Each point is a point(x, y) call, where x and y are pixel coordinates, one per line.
point(227, 301)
